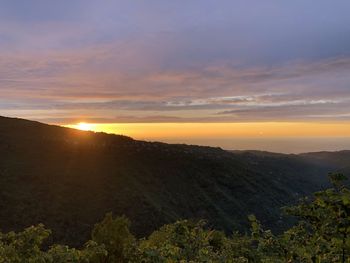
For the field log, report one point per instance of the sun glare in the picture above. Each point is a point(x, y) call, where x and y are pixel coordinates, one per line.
point(84, 126)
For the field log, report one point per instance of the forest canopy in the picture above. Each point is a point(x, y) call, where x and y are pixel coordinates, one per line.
point(320, 234)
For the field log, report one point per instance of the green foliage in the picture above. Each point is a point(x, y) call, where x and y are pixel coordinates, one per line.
point(184, 241)
point(324, 223)
point(116, 238)
point(321, 235)
point(26, 247)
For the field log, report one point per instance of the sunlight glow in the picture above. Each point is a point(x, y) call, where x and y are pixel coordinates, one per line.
point(287, 137)
point(162, 131)
point(84, 126)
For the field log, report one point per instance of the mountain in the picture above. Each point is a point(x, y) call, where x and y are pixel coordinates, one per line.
point(338, 159)
point(68, 179)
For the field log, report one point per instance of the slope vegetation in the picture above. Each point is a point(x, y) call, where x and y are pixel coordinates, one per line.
point(68, 179)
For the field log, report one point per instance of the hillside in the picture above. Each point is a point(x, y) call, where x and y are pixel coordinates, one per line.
point(68, 179)
point(338, 159)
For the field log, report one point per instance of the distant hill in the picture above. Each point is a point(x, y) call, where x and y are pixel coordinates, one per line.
point(340, 159)
point(68, 179)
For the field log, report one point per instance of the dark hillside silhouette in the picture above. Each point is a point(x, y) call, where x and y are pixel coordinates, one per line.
point(68, 179)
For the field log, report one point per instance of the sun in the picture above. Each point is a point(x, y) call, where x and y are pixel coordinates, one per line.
point(84, 126)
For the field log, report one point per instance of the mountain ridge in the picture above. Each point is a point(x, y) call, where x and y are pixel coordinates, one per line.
point(68, 179)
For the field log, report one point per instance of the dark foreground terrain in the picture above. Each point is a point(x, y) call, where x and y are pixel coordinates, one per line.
point(68, 179)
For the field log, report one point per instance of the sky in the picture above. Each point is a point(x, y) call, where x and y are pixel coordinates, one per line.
point(239, 74)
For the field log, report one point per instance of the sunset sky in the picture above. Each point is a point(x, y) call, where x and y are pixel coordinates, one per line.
point(239, 74)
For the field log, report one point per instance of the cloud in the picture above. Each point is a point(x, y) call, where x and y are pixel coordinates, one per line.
point(292, 111)
point(198, 69)
point(169, 61)
point(100, 81)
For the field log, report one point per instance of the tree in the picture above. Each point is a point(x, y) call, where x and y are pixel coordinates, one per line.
point(114, 235)
point(324, 221)
point(24, 246)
